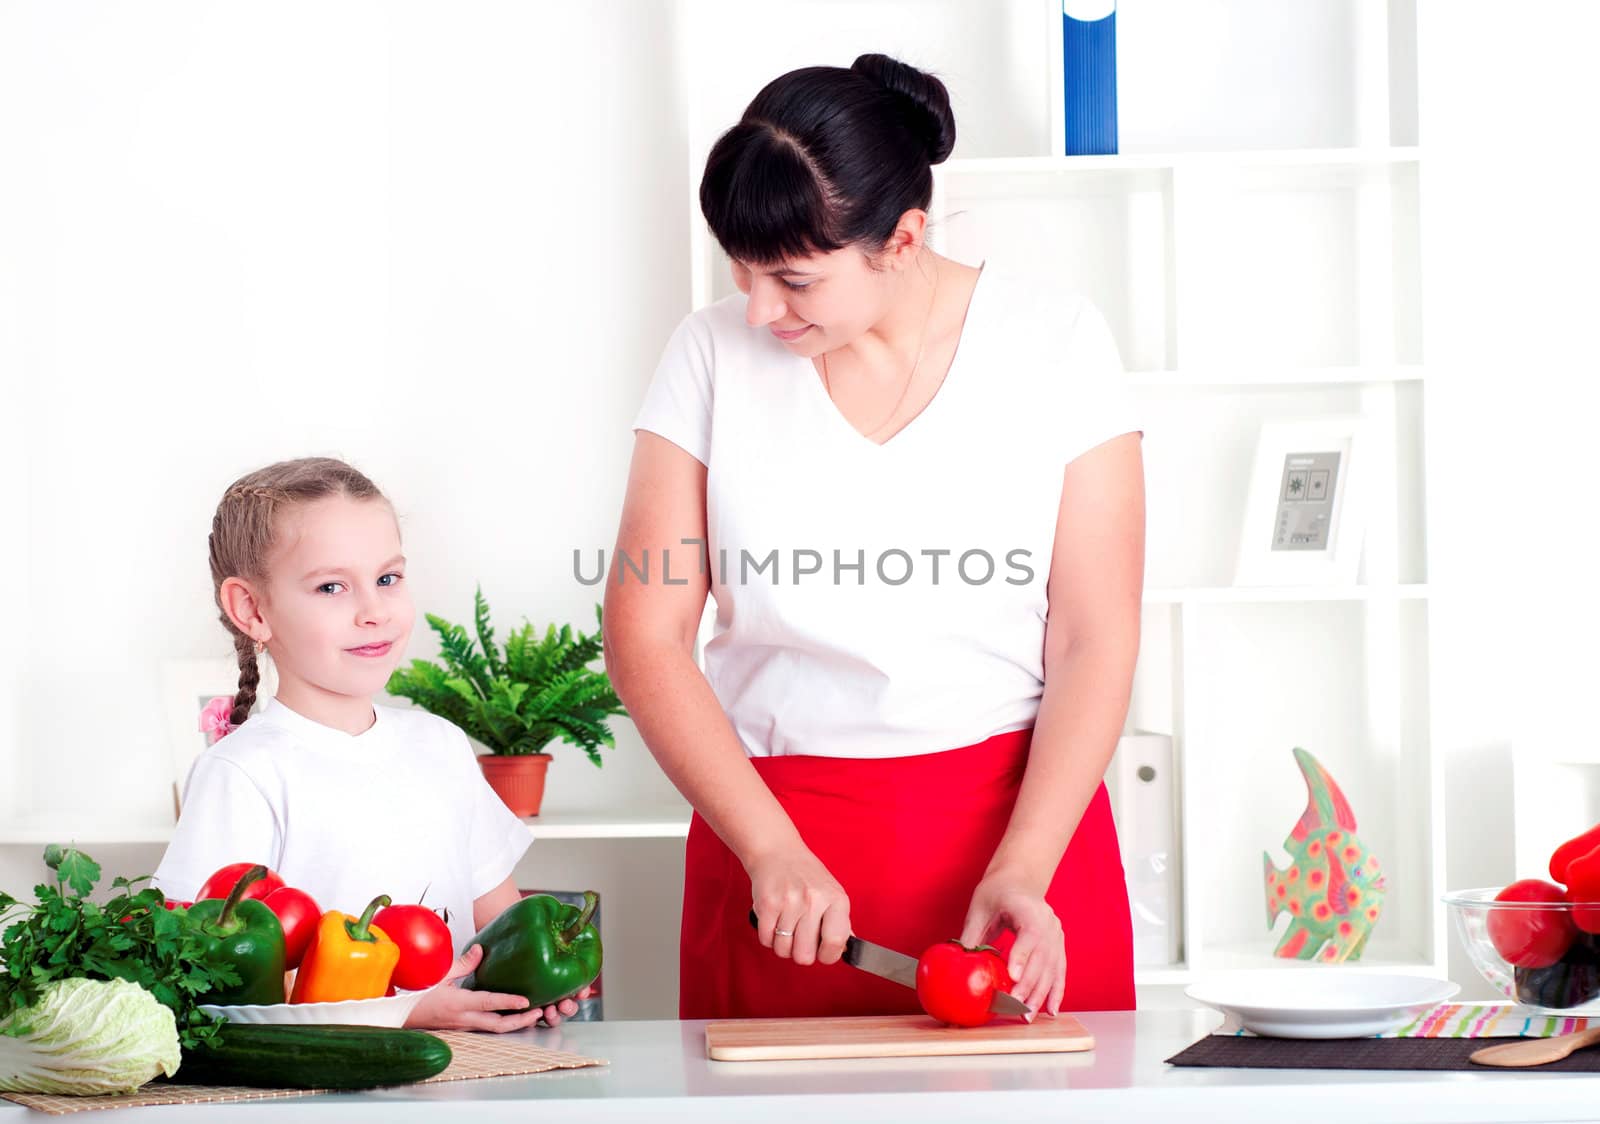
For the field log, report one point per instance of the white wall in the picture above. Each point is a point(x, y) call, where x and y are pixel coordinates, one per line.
point(444, 241)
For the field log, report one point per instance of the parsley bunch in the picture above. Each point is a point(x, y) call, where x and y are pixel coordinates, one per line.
point(132, 936)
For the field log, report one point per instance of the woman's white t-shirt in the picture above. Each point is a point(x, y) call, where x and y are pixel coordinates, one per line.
point(883, 600)
point(399, 809)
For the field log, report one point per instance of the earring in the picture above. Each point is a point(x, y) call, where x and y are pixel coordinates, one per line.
point(261, 646)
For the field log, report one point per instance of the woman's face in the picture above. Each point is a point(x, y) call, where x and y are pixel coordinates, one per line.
point(818, 303)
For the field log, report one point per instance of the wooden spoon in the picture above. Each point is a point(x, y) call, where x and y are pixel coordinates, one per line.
point(1536, 1051)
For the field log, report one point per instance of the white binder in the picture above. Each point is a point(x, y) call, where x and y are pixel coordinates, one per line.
point(1141, 783)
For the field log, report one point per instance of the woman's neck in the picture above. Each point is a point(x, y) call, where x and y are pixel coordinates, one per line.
point(929, 309)
point(352, 714)
point(891, 345)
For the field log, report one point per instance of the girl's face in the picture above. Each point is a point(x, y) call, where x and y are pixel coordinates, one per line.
point(336, 601)
point(817, 303)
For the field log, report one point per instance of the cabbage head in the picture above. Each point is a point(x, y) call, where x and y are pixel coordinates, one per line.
point(86, 1037)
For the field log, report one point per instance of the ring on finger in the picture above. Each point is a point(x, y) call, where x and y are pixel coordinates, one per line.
point(783, 932)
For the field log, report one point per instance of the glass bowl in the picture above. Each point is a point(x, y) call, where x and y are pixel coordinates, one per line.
point(1569, 985)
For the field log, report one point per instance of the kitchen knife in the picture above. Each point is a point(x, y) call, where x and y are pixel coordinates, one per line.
point(902, 969)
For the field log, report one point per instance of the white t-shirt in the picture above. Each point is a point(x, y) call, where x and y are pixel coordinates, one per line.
point(399, 809)
point(912, 652)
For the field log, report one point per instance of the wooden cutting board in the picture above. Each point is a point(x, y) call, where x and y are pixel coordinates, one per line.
point(888, 1036)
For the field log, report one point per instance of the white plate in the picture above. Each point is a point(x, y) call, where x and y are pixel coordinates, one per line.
point(390, 1010)
point(1321, 1002)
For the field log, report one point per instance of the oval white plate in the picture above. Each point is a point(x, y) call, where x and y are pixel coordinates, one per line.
point(1320, 1003)
point(390, 1010)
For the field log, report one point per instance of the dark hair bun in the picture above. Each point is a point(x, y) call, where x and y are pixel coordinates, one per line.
point(931, 119)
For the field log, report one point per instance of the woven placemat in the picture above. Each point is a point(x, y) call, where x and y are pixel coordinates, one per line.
point(1359, 1053)
point(474, 1055)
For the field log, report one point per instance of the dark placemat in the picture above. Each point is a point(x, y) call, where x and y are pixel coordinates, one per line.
point(1244, 1051)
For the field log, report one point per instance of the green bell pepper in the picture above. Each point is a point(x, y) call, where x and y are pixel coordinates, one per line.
point(246, 936)
point(541, 949)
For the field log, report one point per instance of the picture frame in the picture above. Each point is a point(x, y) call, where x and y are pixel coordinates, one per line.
point(186, 687)
point(1305, 514)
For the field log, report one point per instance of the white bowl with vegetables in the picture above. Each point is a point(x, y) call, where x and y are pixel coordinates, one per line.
point(387, 1010)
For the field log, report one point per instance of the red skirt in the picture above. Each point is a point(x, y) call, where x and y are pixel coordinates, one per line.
point(908, 838)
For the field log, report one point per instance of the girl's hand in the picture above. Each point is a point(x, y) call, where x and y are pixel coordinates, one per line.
point(452, 1007)
point(1038, 960)
point(802, 912)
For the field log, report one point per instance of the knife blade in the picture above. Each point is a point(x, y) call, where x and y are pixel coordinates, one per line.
point(902, 969)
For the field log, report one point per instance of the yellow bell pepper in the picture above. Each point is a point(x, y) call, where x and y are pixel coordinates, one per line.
point(349, 958)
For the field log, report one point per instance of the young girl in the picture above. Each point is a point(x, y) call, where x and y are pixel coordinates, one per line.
point(344, 799)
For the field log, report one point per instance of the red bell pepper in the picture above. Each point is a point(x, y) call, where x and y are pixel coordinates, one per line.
point(1583, 886)
point(1572, 849)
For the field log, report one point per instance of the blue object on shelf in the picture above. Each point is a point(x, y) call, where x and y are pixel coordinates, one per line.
point(1089, 71)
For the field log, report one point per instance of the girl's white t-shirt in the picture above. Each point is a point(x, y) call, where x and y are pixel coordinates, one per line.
point(399, 809)
point(883, 600)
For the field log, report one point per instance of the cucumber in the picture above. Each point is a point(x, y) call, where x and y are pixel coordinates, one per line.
point(314, 1057)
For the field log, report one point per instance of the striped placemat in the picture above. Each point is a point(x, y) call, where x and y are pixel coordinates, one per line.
point(1487, 1020)
point(1467, 1020)
point(474, 1055)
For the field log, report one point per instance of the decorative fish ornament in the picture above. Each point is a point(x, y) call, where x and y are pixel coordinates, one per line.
point(1333, 889)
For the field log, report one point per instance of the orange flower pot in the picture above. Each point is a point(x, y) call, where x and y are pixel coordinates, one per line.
point(519, 780)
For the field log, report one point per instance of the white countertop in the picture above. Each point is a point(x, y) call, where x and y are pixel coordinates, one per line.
point(659, 1072)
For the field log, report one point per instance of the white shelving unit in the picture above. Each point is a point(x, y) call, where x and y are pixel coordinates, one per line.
point(1275, 276)
point(655, 823)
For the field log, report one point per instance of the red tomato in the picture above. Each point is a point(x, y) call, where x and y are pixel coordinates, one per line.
point(955, 984)
point(426, 951)
point(221, 883)
point(298, 915)
point(1527, 937)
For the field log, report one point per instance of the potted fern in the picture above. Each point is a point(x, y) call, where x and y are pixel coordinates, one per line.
point(515, 701)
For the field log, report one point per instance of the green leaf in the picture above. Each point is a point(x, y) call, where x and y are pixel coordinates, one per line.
point(464, 689)
point(480, 614)
point(73, 867)
point(461, 655)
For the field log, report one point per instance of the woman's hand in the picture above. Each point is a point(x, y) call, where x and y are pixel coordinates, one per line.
point(452, 1007)
point(802, 912)
point(1038, 960)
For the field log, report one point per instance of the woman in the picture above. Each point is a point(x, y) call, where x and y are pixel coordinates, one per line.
point(915, 490)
